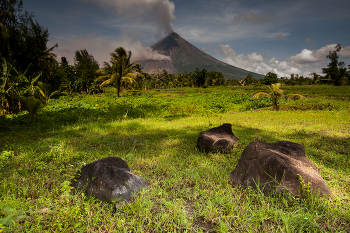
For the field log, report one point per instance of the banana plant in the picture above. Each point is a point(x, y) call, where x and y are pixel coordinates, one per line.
point(16, 89)
point(7, 85)
point(45, 93)
point(26, 94)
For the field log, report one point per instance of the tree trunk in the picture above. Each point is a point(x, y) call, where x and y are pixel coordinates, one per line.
point(118, 87)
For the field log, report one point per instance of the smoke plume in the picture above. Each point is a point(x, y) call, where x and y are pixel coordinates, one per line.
point(158, 12)
point(101, 47)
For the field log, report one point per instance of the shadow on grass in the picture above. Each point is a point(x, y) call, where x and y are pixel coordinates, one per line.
point(58, 118)
point(133, 138)
point(329, 151)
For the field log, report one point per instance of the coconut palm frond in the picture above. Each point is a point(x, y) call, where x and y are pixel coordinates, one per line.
point(295, 97)
point(260, 93)
point(107, 82)
point(49, 53)
point(101, 72)
point(128, 79)
point(101, 78)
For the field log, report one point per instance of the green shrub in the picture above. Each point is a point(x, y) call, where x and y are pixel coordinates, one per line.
point(5, 156)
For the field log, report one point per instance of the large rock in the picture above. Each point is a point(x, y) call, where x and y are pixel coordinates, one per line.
point(277, 167)
point(108, 179)
point(217, 139)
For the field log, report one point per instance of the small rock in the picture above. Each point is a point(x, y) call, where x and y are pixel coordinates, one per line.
point(217, 139)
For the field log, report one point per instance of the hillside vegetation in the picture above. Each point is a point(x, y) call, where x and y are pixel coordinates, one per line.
point(155, 132)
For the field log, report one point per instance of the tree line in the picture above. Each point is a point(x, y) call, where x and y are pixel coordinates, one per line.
point(31, 74)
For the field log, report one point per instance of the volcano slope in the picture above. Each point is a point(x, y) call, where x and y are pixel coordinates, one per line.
point(185, 57)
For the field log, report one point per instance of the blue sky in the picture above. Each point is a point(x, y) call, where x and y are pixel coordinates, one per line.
point(261, 36)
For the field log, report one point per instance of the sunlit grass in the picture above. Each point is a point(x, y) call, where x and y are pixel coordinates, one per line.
point(189, 190)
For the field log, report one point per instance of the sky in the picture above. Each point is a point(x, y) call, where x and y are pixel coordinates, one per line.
point(284, 37)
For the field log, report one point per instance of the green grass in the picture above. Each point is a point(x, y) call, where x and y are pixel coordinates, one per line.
point(189, 190)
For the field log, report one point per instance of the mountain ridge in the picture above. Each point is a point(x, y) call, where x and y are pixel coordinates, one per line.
point(185, 57)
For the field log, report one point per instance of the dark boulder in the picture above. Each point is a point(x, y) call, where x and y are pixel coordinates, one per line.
point(108, 179)
point(219, 139)
point(277, 167)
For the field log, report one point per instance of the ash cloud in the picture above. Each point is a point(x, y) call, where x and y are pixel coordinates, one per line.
point(158, 12)
point(136, 17)
point(101, 47)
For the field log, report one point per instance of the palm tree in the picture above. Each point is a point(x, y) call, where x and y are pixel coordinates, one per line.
point(274, 93)
point(119, 70)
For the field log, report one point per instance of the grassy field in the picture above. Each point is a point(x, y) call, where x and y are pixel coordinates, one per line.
point(156, 133)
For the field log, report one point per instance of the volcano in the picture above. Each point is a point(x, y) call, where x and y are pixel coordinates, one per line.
point(185, 57)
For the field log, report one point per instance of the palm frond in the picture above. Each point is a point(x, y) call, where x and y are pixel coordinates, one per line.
point(101, 72)
point(107, 82)
point(128, 79)
point(101, 78)
point(260, 93)
point(295, 97)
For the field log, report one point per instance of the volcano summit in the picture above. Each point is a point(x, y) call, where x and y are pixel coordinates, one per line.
point(183, 56)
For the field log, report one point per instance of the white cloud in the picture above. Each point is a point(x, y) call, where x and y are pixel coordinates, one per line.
point(304, 63)
point(314, 56)
point(306, 56)
point(253, 62)
point(345, 52)
point(256, 57)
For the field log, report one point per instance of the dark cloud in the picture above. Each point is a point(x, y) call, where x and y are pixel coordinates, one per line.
point(280, 37)
point(309, 41)
point(159, 12)
point(253, 18)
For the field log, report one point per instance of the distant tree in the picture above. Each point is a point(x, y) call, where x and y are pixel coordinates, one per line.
point(120, 69)
point(200, 76)
point(233, 82)
point(140, 80)
point(67, 76)
point(159, 78)
point(315, 77)
point(335, 69)
point(248, 80)
point(86, 67)
point(8, 23)
point(23, 40)
point(215, 79)
point(269, 79)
